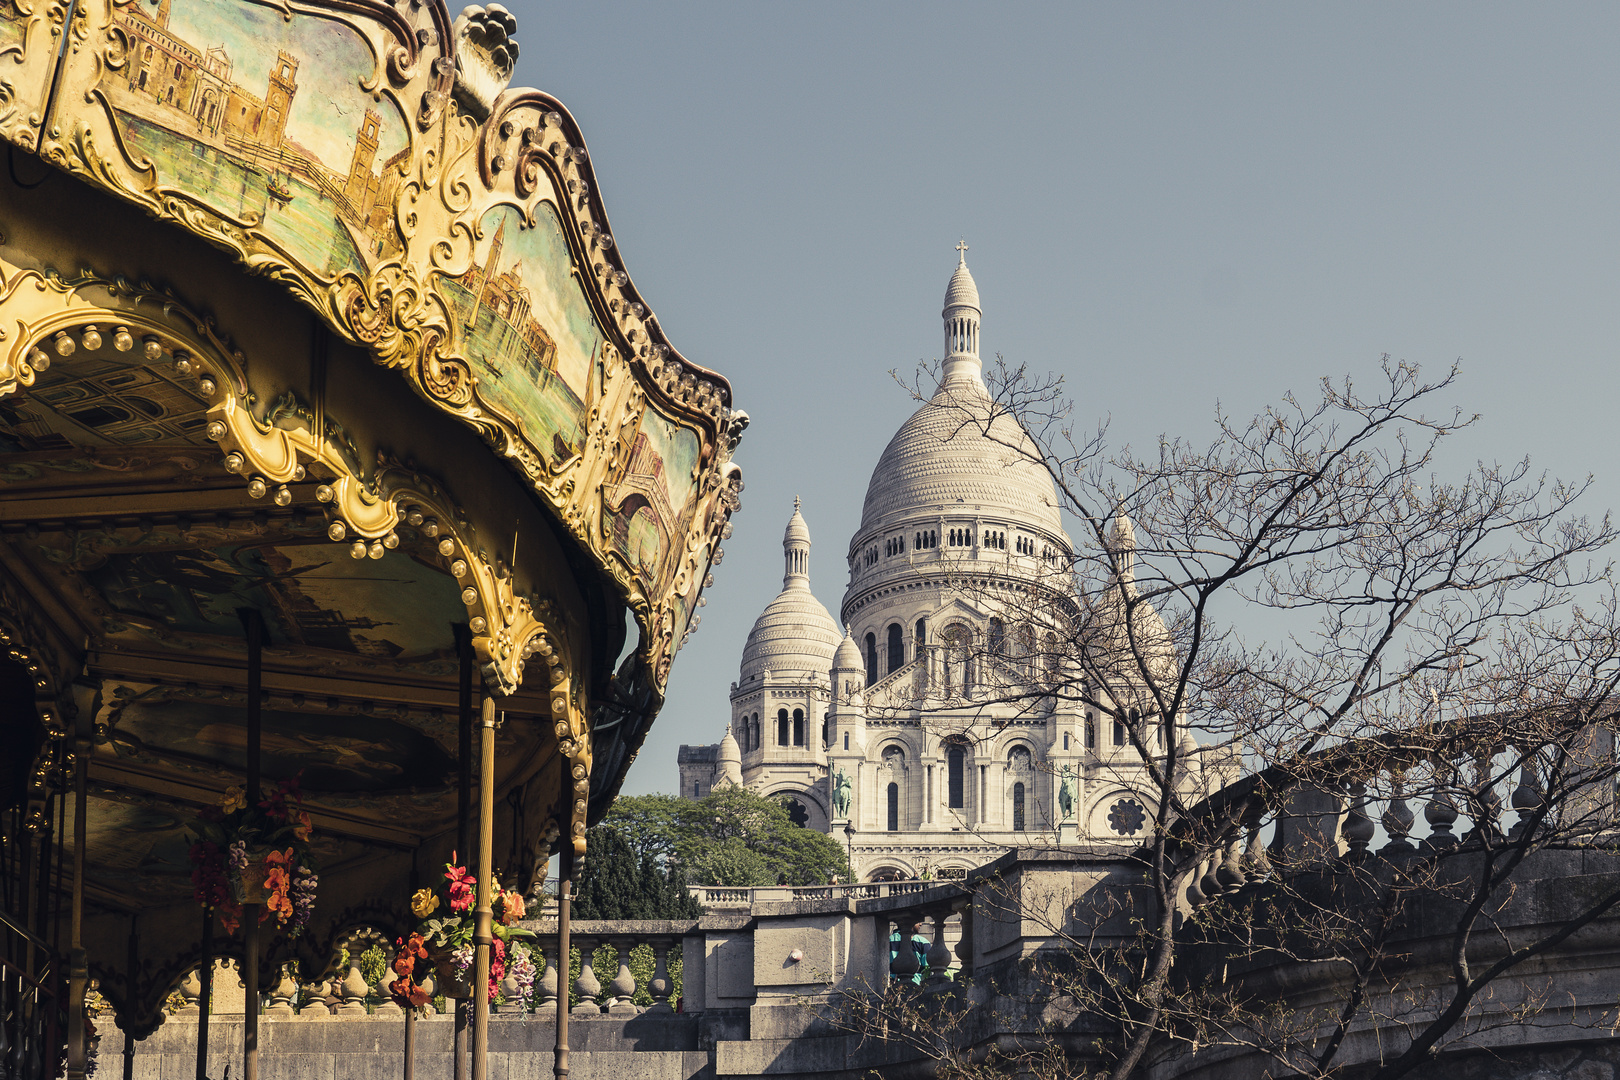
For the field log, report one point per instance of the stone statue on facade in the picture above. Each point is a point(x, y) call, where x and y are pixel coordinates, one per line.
point(840, 799)
point(1066, 785)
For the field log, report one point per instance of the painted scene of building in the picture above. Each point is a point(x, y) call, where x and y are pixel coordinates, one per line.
point(527, 329)
point(649, 506)
point(263, 116)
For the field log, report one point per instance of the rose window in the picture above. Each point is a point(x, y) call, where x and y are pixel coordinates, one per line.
point(1127, 817)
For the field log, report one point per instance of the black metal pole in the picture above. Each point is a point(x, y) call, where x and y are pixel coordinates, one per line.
point(133, 961)
point(254, 625)
point(463, 812)
point(206, 977)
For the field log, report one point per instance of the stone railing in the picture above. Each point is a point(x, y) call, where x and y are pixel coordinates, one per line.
point(716, 898)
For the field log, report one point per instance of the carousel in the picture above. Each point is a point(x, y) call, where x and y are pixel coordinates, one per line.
point(353, 504)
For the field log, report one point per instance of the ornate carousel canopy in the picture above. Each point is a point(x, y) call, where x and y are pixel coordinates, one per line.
point(308, 323)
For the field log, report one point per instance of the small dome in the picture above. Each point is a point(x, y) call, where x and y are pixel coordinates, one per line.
point(729, 750)
point(848, 656)
point(794, 637)
point(730, 762)
point(962, 292)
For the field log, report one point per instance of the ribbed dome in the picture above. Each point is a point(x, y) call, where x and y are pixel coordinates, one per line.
point(962, 290)
point(794, 636)
point(943, 459)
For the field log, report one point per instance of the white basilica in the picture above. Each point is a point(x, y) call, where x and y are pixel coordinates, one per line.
point(894, 733)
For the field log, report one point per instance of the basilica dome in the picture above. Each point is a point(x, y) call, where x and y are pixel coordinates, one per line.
point(794, 636)
point(961, 452)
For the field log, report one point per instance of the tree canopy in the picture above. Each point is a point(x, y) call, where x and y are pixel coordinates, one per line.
point(730, 837)
point(617, 884)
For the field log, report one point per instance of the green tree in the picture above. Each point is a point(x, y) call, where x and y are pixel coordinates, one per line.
point(615, 884)
point(730, 837)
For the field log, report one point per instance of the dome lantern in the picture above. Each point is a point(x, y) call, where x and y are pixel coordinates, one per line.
point(796, 551)
point(961, 314)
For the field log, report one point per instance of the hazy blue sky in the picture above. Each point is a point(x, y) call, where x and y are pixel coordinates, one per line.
point(1172, 205)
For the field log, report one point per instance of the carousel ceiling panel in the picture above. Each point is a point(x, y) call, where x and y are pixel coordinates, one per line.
point(368, 156)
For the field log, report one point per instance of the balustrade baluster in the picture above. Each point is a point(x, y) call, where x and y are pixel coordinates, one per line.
point(1210, 883)
point(587, 986)
point(1195, 895)
point(1255, 861)
point(281, 997)
point(546, 989)
point(902, 956)
point(623, 986)
point(1486, 805)
point(315, 1000)
point(1527, 799)
point(1440, 813)
point(659, 987)
point(191, 993)
point(1398, 820)
point(1358, 827)
point(1230, 872)
point(352, 990)
point(964, 945)
point(939, 953)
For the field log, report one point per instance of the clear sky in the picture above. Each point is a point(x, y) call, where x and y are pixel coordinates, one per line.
point(1172, 205)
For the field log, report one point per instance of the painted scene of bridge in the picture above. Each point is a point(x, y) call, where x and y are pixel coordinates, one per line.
point(527, 329)
point(262, 118)
point(648, 508)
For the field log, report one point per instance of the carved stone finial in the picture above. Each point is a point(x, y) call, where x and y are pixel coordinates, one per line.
point(486, 53)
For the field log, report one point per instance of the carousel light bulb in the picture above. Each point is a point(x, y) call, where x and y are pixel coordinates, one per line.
point(357, 550)
point(376, 549)
point(91, 338)
point(64, 344)
point(459, 568)
point(182, 363)
point(414, 519)
point(39, 359)
point(469, 596)
point(283, 496)
point(391, 541)
point(123, 340)
point(323, 493)
point(299, 472)
point(477, 624)
point(257, 488)
point(151, 348)
point(337, 530)
point(430, 527)
point(233, 462)
point(206, 385)
point(447, 547)
point(216, 430)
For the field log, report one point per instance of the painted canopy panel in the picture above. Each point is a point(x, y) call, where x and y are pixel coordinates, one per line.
point(30, 33)
point(366, 155)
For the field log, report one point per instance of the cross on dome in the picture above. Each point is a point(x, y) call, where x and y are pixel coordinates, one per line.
point(961, 249)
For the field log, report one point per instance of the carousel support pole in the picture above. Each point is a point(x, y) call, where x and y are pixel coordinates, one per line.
point(254, 625)
point(483, 917)
point(132, 959)
point(565, 888)
point(205, 975)
point(78, 1055)
point(463, 810)
point(410, 1041)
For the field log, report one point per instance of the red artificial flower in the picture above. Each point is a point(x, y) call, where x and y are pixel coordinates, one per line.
point(461, 882)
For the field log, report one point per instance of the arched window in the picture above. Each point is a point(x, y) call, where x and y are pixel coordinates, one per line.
point(846, 740)
point(757, 742)
point(1119, 732)
point(781, 727)
point(897, 651)
point(919, 637)
point(1065, 740)
point(697, 792)
point(1018, 807)
point(998, 637)
point(1091, 731)
point(871, 659)
point(955, 764)
point(798, 727)
point(1054, 666)
point(177, 69)
point(894, 807)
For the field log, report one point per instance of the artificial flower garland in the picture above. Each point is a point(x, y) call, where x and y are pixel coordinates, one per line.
point(243, 853)
point(445, 942)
